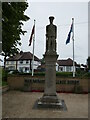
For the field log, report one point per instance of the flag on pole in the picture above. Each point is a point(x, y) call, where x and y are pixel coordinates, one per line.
point(32, 33)
point(69, 35)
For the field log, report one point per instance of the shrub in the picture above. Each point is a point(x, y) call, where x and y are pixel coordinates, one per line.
point(4, 83)
point(15, 72)
point(64, 74)
point(4, 75)
point(36, 73)
point(86, 75)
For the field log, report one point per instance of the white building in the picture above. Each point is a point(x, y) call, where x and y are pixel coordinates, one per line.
point(22, 62)
point(1, 62)
point(66, 65)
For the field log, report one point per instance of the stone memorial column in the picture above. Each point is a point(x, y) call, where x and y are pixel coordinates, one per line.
point(50, 98)
point(50, 56)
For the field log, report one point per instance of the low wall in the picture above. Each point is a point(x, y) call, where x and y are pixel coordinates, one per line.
point(36, 83)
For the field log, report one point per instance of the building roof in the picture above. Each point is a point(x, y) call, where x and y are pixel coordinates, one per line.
point(83, 66)
point(23, 56)
point(67, 62)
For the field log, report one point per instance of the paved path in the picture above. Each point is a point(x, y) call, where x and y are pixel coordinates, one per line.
point(18, 104)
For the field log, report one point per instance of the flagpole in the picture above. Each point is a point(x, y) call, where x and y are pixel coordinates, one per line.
point(33, 51)
point(73, 48)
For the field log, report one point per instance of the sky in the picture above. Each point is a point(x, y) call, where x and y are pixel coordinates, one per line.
point(63, 13)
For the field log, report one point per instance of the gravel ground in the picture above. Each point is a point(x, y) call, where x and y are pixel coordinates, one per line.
point(18, 104)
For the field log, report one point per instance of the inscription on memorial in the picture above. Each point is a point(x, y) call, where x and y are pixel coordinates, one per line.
point(69, 82)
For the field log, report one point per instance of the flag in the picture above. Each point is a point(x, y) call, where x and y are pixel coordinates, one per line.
point(69, 35)
point(32, 33)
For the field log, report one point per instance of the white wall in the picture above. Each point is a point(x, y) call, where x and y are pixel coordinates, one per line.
point(57, 67)
point(65, 68)
point(27, 65)
point(22, 65)
point(36, 64)
point(11, 64)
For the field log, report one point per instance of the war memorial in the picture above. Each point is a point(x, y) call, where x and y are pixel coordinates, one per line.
point(50, 98)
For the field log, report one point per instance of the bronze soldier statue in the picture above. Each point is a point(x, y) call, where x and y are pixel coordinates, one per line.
point(51, 35)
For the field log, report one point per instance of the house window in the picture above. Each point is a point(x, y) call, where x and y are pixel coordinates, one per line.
point(21, 62)
point(7, 62)
point(68, 69)
point(12, 62)
point(21, 69)
point(61, 69)
point(27, 61)
point(11, 68)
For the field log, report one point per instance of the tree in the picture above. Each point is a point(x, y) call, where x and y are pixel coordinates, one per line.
point(43, 60)
point(88, 62)
point(12, 21)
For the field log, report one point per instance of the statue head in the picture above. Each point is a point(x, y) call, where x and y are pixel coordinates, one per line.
point(51, 18)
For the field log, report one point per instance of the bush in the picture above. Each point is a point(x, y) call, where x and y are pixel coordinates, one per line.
point(86, 75)
point(15, 72)
point(61, 74)
point(4, 75)
point(36, 73)
point(83, 75)
point(64, 74)
point(4, 83)
point(40, 73)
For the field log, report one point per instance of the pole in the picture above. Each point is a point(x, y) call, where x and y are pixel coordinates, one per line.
point(73, 48)
point(33, 51)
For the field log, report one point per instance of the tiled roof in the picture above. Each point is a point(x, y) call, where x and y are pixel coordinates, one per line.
point(23, 56)
point(67, 62)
